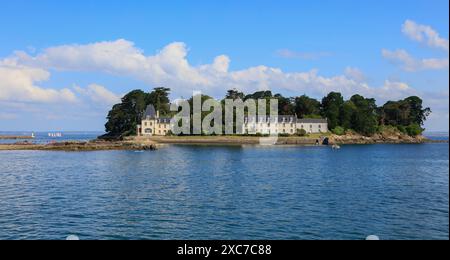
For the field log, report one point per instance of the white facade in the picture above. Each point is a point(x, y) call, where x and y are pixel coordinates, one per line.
point(153, 125)
point(283, 125)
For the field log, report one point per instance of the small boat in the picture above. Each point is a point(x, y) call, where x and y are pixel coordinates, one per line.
point(336, 147)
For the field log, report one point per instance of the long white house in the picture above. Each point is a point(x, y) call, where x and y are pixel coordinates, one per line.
point(283, 125)
point(154, 125)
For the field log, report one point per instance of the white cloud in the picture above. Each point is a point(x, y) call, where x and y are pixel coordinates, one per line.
point(169, 67)
point(424, 34)
point(98, 94)
point(122, 58)
point(355, 73)
point(290, 54)
point(411, 64)
point(18, 83)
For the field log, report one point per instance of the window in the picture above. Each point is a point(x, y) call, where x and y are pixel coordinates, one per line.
point(320, 126)
point(284, 125)
point(145, 123)
point(292, 131)
point(311, 126)
point(148, 131)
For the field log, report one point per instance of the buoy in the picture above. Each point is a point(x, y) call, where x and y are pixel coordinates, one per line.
point(372, 238)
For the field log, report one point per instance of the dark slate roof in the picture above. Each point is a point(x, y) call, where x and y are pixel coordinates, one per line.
point(285, 119)
point(313, 121)
point(150, 112)
point(278, 119)
point(164, 120)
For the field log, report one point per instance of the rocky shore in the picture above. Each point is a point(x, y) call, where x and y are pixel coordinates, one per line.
point(15, 137)
point(347, 139)
point(81, 146)
point(154, 143)
point(382, 138)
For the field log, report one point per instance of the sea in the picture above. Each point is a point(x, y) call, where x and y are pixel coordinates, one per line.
point(396, 192)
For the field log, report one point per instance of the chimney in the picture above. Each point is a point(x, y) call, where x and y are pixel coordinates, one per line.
point(157, 114)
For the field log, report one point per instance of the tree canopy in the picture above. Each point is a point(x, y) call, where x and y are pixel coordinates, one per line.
point(123, 118)
point(359, 113)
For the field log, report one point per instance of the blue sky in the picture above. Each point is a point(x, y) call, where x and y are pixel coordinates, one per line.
point(292, 47)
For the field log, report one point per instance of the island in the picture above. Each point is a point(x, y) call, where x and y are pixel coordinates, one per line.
point(143, 121)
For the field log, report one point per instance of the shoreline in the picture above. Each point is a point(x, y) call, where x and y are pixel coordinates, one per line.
point(156, 142)
point(15, 137)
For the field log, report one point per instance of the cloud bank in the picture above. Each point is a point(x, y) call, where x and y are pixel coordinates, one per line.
point(425, 35)
point(23, 75)
point(170, 67)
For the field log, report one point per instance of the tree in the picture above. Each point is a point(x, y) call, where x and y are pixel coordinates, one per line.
point(159, 98)
point(404, 112)
point(347, 114)
point(418, 114)
point(331, 106)
point(364, 119)
point(260, 95)
point(414, 130)
point(234, 94)
point(338, 130)
point(285, 105)
point(267, 95)
point(124, 117)
point(306, 106)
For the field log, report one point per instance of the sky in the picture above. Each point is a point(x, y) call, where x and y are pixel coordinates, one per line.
point(63, 64)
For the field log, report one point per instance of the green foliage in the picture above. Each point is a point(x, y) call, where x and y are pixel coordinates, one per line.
point(306, 106)
point(347, 114)
point(234, 94)
point(359, 113)
point(402, 129)
point(301, 132)
point(364, 118)
point(313, 116)
point(404, 112)
point(159, 98)
point(283, 135)
point(123, 118)
point(285, 105)
point(338, 130)
point(414, 130)
point(331, 107)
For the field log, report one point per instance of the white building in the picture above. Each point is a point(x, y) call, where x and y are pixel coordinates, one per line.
point(283, 125)
point(152, 124)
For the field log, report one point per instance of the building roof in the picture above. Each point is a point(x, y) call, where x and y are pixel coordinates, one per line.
point(285, 119)
point(164, 120)
point(313, 121)
point(150, 112)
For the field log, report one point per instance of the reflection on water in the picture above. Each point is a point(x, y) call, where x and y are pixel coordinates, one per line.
point(186, 192)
